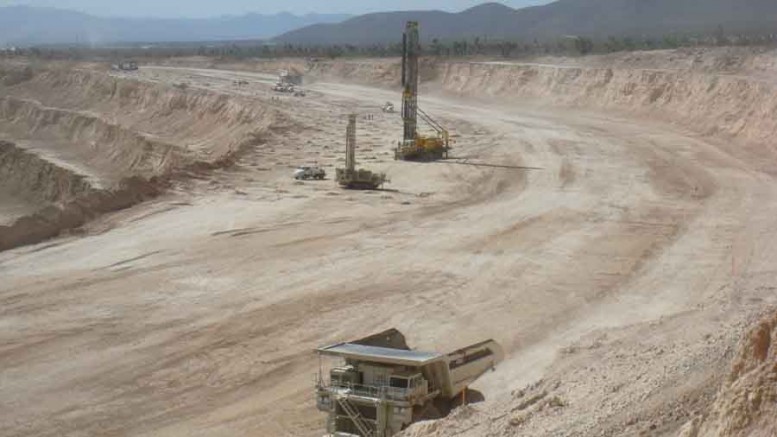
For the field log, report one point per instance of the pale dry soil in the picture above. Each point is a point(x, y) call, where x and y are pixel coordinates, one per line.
point(197, 313)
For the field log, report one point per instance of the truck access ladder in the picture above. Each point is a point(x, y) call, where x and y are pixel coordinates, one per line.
point(365, 428)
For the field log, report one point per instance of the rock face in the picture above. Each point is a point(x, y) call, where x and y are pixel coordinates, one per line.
point(86, 143)
point(30, 176)
point(747, 403)
point(702, 89)
point(708, 103)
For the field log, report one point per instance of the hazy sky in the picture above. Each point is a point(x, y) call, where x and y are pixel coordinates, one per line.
point(208, 8)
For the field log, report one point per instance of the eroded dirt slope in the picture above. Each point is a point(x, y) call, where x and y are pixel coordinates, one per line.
point(74, 128)
point(747, 402)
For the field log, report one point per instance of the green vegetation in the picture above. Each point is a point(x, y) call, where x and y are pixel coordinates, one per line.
point(474, 47)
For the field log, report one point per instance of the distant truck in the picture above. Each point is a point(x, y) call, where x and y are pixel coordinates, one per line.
point(382, 386)
point(126, 66)
point(283, 88)
point(290, 77)
point(309, 172)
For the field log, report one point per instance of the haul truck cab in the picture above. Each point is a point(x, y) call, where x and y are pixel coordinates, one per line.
point(381, 386)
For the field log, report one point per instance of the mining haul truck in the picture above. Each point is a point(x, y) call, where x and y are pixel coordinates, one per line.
point(382, 386)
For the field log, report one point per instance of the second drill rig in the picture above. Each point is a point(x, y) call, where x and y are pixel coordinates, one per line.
point(351, 177)
point(414, 146)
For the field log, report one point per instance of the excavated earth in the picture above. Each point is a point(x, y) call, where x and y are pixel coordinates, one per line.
point(78, 143)
point(747, 402)
point(609, 220)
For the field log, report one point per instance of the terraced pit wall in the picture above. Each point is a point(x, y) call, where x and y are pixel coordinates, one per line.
point(726, 92)
point(101, 143)
point(202, 124)
point(730, 105)
point(71, 199)
point(29, 176)
point(108, 146)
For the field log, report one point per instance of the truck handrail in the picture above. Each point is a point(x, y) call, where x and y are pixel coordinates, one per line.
point(379, 392)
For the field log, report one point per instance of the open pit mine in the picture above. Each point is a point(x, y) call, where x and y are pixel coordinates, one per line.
point(608, 222)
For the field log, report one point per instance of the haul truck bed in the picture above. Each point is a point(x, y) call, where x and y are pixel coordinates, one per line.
point(382, 386)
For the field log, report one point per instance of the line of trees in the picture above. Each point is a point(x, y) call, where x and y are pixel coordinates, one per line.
point(568, 46)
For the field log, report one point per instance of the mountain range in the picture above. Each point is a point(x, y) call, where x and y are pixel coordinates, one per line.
point(592, 18)
point(23, 25)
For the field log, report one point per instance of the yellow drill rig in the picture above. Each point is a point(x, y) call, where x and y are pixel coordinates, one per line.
point(350, 177)
point(414, 146)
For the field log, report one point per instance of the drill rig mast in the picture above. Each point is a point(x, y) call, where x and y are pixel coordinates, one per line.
point(416, 147)
point(351, 177)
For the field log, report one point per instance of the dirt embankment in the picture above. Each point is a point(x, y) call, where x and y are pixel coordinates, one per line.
point(717, 60)
point(728, 92)
point(383, 72)
point(747, 403)
point(107, 147)
point(736, 106)
point(723, 92)
point(71, 199)
point(97, 143)
point(202, 124)
point(31, 177)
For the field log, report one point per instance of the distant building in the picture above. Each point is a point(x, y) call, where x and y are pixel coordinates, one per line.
point(290, 77)
point(126, 66)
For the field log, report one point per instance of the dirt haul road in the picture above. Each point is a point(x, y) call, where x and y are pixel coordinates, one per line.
point(196, 313)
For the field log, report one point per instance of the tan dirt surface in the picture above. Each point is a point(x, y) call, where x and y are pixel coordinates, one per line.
point(618, 255)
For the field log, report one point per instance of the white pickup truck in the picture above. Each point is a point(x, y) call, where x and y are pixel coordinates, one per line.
point(309, 172)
